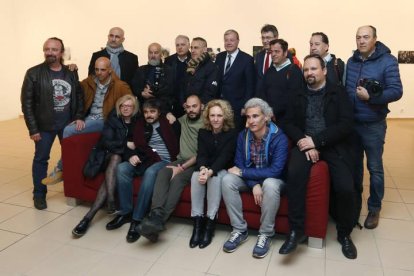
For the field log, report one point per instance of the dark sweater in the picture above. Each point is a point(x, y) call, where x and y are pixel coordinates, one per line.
point(277, 85)
point(216, 151)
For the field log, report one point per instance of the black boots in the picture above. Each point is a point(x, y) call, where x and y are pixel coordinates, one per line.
point(210, 227)
point(197, 232)
point(203, 232)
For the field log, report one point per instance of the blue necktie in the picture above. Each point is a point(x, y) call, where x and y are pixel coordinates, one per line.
point(228, 64)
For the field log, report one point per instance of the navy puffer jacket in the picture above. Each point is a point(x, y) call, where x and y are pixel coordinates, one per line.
point(380, 66)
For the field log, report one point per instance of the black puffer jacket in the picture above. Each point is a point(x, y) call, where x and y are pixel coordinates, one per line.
point(37, 98)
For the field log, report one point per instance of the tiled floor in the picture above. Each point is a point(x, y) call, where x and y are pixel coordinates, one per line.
point(36, 242)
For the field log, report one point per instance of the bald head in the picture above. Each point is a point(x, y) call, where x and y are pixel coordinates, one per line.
point(103, 69)
point(115, 37)
point(154, 54)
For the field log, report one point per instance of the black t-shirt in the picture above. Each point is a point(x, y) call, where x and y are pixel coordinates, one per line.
point(61, 99)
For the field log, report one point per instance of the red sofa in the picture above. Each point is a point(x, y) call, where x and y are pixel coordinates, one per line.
point(75, 151)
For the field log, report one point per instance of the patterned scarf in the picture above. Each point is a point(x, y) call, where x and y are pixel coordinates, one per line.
point(114, 53)
point(194, 63)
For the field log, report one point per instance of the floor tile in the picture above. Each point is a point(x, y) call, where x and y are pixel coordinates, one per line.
point(162, 269)
point(404, 182)
point(26, 198)
point(394, 210)
point(28, 221)
point(339, 268)
point(407, 195)
point(396, 254)
point(7, 211)
point(9, 238)
point(397, 272)
point(396, 230)
point(113, 264)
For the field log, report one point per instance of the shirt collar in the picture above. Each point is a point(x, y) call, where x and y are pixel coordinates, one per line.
point(283, 65)
point(327, 58)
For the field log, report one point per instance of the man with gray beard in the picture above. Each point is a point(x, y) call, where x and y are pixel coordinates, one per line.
point(155, 80)
point(123, 63)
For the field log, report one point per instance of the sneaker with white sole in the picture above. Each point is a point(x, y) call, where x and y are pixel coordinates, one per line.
point(262, 246)
point(236, 238)
point(54, 177)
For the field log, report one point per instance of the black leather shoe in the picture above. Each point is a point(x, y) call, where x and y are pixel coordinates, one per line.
point(81, 228)
point(118, 221)
point(372, 220)
point(133, 234)
point(291, 242)
point(210, 227)
point(197, 231)
point(348, 248)
point(40, 203)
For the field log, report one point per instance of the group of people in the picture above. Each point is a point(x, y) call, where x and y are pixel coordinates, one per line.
point(222, 126)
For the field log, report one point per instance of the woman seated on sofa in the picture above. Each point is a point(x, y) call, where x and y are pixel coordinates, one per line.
point(116, 140)
point(216, 146)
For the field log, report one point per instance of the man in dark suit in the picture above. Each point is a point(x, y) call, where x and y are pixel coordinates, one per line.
point(178, 62)
point(123, 63)
point(236, 77)
point(263, 59)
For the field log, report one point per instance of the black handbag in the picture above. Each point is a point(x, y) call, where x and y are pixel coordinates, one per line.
point(95, 162)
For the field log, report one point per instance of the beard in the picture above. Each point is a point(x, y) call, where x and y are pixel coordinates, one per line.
point(311, 80)
point(193, 116)
point(154, 62)
point(50, 59)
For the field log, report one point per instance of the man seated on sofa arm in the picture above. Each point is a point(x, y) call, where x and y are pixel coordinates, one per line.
point(261, 154)
point(154, 136)
point(319, 121)
point(172, 179)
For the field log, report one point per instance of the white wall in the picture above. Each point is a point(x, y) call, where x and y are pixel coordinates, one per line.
point(83, 26)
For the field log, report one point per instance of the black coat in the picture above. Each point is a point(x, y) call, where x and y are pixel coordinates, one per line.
point(128, 63)
point(338, 114)
point(37, 98)
point(204, 81)
point(164, 90)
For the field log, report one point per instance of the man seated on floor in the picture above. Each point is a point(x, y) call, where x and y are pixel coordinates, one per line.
point(101, 91)
point(319, 122)
point(261, 154)
point(172, 179)
point(158, 141)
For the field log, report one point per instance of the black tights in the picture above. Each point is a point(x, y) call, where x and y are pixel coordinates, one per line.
point(107, 190)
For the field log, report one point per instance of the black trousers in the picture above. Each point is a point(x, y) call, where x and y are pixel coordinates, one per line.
point(342, 188)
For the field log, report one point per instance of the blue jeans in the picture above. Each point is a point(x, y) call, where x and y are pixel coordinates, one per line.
point(125, 176)
point(40, 160)
point(371, 139)
point(70, 130)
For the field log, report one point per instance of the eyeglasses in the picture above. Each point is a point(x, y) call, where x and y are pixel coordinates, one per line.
point(126, 106)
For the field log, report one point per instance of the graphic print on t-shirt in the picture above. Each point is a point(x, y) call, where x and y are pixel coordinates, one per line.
point(61, 95)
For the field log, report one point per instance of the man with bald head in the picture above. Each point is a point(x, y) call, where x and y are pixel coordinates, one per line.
point(124, 63)
point(155, 80)
point(51, 98)
point(372, 81)
point(101, 91)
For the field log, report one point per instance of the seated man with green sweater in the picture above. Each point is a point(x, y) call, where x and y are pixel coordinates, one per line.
point(172, 179)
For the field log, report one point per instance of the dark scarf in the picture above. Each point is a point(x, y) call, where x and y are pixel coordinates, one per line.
point(194, 63)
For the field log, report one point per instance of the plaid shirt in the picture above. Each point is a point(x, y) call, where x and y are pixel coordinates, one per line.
point(258, 151)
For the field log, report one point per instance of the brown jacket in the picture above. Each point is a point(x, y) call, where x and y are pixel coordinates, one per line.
point(116, 90)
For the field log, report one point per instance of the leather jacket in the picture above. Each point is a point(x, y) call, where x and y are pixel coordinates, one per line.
point(37, 98)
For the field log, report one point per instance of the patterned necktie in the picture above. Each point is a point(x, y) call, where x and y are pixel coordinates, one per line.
point(228, 64)
point(267, 63)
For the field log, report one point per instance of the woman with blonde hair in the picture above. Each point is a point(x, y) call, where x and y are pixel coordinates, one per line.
point(216, 146)
point(116, 140)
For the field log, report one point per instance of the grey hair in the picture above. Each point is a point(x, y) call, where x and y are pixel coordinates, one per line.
point(263, 105)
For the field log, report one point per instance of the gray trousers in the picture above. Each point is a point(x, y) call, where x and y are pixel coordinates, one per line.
point(198, 193)
point(231, 188)
point(167, 191)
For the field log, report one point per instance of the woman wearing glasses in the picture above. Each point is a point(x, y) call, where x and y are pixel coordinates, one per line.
point(116, 139)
